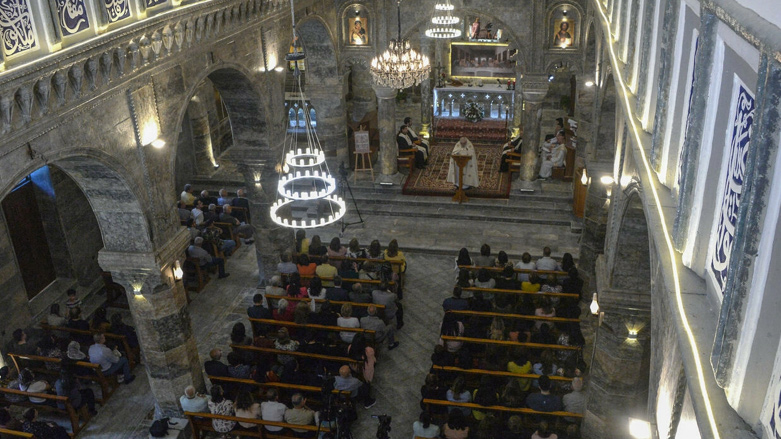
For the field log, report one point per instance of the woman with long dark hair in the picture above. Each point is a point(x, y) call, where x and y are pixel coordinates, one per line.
point(219, 405)
point(302, 244)
point(69, 386)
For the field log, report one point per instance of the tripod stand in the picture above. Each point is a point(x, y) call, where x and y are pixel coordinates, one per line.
point(344, 184)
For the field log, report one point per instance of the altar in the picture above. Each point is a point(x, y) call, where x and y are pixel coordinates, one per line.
point(497, 101)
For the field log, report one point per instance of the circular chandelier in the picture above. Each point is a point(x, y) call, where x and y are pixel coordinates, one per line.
point(443, 22)
point(400, 66)
point(306, 189)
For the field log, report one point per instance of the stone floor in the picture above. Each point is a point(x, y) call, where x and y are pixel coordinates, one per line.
point(430, 231)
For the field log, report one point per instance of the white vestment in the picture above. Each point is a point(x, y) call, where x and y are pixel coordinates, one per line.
point(556, 159)
point(470, 170)
point(423, 147)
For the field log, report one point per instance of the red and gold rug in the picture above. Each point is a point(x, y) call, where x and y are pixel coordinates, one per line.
point(433, 179)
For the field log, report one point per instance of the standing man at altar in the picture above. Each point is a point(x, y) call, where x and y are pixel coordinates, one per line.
point(464, 147)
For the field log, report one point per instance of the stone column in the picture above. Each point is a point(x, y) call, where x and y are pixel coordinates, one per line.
point(534, 88)
point(328, 102)
point(386, 120)
point(158, 304)
point(584, 114)
point(426, 94)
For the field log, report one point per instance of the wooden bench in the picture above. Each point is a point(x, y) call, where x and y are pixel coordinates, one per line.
point(6, 432)
point(522, 410)
point(498, 373)
point(272, 322)
point(514, 316)
point(201, 422)
point(348, 280)
point(535, 293)
point(333, 302)
point(406, 159)
point(244, 211)
point(517, 270)
point(107, 384)
point(195, 276)
point(509, 343)
point(275, 384)
point(121, 339)
point(229, 233)
point(73, 415)
point(333, 358)
point(345, 258)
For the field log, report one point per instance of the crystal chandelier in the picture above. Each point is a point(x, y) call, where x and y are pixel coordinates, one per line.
point(400, 66)
point(306, 189)
point(443, 22)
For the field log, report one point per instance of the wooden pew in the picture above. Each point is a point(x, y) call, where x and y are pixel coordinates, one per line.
point(243, 210)
point(275, 384)
point(344, 279)
point(194, 271)
point(345, 258)
point(73, 415)
point(272, 322)
point(498, 373)
point(509, 343)
point(514, 316)
point(333, 302)
point(333, 358)
point(6, 432)
point(503, 291)
point(107, 384)
point(517, 270)
point(201, 422)
point(229, 233)
point(121, 339)
point(520, 410)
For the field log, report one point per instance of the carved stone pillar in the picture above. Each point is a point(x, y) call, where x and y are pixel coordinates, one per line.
point(386, 121)
point(426, 95)
point(328, 102)
point(158, 304)
point(534, 89)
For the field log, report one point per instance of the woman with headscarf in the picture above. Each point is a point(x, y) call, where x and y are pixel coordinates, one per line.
point(464, 147)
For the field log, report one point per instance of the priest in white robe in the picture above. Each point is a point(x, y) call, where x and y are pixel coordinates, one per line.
point(464, 147)
point(555, 158)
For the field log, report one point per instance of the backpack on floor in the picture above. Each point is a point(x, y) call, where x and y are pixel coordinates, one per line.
point(159, 428)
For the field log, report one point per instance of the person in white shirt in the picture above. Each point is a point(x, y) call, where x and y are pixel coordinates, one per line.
point(424, 428)
point(346, 320)
point(193, 401)
point(110, 362)
point(525, 263)
point(555, 158)
point(547, 263)
point(198, 213)
point(272, 410)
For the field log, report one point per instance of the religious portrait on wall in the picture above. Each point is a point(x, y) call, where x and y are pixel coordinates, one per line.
point(358, 31)
point(564, 30)
point(481, 29)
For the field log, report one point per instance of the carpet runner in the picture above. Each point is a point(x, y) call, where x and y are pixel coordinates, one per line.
point(433, 179)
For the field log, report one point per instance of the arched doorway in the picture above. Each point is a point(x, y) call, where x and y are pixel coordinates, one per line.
point(604, 145)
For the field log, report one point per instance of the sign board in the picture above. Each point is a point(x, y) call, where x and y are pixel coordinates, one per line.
point(362, 142)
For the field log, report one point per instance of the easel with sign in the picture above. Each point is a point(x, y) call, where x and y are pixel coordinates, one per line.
point(362, 153)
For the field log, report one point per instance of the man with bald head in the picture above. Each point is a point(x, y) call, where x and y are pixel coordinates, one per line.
point(215, 367)
point(357, 388)
point(381, 330)
point(193, 401)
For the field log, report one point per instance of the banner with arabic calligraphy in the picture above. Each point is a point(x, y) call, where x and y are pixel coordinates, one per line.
point(17, 31)
point(72, 15)
point(733, 184)
point(117, 10)
point(152, 3)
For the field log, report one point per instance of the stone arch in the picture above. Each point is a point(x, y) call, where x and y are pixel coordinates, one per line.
point(590, 51)
point(631, 265)
point(241, 96)
point(327, 92)
point(123, 223)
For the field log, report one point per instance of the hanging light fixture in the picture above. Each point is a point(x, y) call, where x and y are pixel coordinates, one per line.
point(306, 189)
point(443, 22)
point(400, 66)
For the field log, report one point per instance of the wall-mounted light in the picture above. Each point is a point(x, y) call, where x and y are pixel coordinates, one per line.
point(589, 83)
point(639, 429)
point(178, 272)
point(594, 307)
point(137, 286)
point(606, 180)
point(632, 335)
point(551, 78)
point(158, 143)
point(584, 178)
point(262, 69)
point(279, 69)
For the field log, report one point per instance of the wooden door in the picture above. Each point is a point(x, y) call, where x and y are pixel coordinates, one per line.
point(29, 239)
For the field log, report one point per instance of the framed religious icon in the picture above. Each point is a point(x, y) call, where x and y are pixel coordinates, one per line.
point(563, 33)
point(358, 31)
point(481, 60)
point(480, 29)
